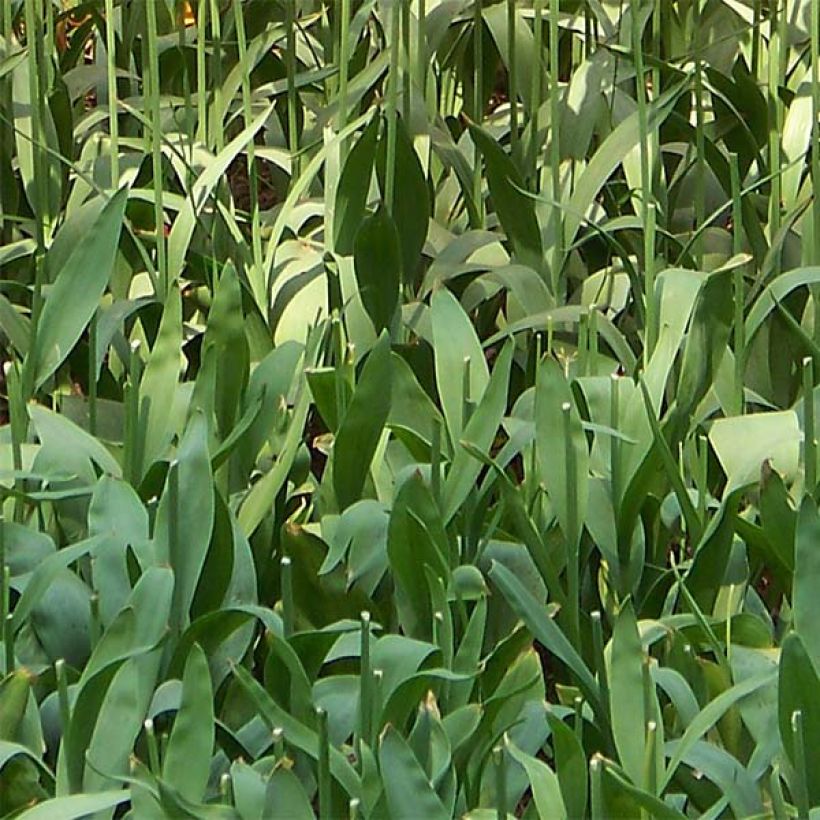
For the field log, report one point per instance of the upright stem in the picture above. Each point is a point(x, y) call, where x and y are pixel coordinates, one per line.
point(391, 112)
point(512, 77)
point(247, 112)
point(555, 150)
point(405, 60)
point(365, 685)
point(201, 76)
point(815, 141)
point(154, 92)
point(572, 534)
point(700, 148)
point(344, 59)
point(111, 65)
point(217, 136)
point(535, 89)
point(650, 227)
point(290, 67)
point(809, 443)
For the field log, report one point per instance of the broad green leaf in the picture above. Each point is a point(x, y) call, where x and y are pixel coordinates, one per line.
point(225, 339)
point(297, 733)
point(76, 806)
point(563, 465)
point(743, 443)
point(570, 766)
point(456, 349)
point(640, 801)
point(377, 260)
point(158, 386)
point(287, 797)
point(546, 790)
point(182, 535)
point(479, 432)
point(626, 694)
point(797, 680)
point(119, 723)
point(515, 210)
point(187, 761)
point(709, 716)
point(68, 442)
point(258, 502)
point(409, 792)
point(546, 631)
point(72, 299)
point(353, 187)
point(362, 426)
point(806, 580)
point(411, 201)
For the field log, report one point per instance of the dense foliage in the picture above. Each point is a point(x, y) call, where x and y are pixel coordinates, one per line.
point(408, 408)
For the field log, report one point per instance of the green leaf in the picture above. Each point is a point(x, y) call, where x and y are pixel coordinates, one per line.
point(456, 347)
point(807, 580)
point(76, 292)
point(743, 443)
point(158, 386)
point(568, 491)
point(193, 518)
point(626, 691)
point(409, 792)
point(546, 789)
point(351, 192)
point(377, 261)
point(798, 682)
point(362, 425)
point(547, 632)
point(706, 341)
point(76, 806)
point(411, 201)
point(297, 733)
point(515, 210)
point(570, 765)
point(479, 433)
point(225, 339)
point(187, 761)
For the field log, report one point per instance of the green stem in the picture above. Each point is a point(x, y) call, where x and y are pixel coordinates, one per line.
point(500, 765)
point(815, 141)
point(614, 441)
point(535, 90)
point(344, 67)
point(365, 686)
point(809, 443)
point(153, 89)
point(153, 747)
point(288, 613)
point(217, 135)
point(512, 76)
point(201, 75)
point(800, 790)
point(247, 113)
point(650, 215)
point(323, 777)
point(596, 766)
point(290, 67)
point(92, 375)
point(598, 652)
point(390, 109)
point(572, 535)
point(111, 76)
point(555, 150)
point(62, 696)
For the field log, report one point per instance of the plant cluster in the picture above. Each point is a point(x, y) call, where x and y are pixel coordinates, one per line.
point(408, 408)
